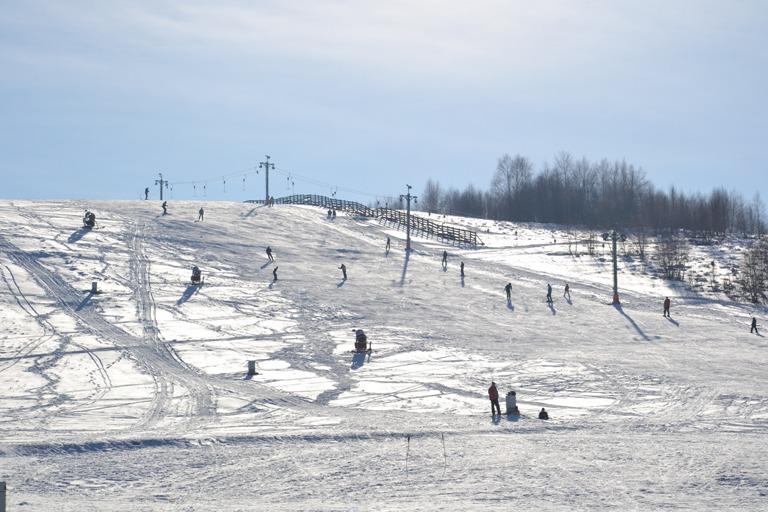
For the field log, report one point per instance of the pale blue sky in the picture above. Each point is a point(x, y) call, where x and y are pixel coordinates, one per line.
point(97, 96)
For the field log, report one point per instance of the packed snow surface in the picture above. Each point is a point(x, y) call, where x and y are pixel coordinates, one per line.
point(137, 398)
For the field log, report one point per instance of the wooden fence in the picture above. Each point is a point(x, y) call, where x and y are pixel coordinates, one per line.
point(419, 225)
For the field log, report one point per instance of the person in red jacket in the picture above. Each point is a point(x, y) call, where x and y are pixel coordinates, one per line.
point(493, 395)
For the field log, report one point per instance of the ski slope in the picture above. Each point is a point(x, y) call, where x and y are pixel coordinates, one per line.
point(136, 398)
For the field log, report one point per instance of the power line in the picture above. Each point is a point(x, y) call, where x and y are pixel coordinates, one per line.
point(254, 170)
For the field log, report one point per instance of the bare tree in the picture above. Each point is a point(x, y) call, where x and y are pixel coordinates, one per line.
point(641, 242)
point(672, 255)
point(430, 199)
point(754, 272)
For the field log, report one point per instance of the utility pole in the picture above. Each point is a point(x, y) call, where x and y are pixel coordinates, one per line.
point(162, 183)
point(266, 165)
point(408, 198)
point(614, 236)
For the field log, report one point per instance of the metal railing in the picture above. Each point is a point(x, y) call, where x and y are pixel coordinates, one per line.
point(425, 227)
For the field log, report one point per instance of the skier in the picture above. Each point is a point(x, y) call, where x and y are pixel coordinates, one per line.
point(667, 303)
point(333, 213)
point(343, 269)
point(493, 395)
point(445, 259)
point(165, 207)
point(549, 293)
point(200, 213)
point(388, 244)
point(274, 273)
point(329, 214)
point(543, 414)
point(567, 292)
point(462, 269)
point(508, 289)
point(754, 326)
point(269, 254)
point(146, 193)
point(196, 274)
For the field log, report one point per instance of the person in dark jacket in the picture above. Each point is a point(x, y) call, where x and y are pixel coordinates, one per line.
point(543, 414)
point(549, 293)
point(462, 269)
point(165, 207)
point(388, 244)
point(274, 273)
point(754, 326)
point(445, 259)
point(508, 290)
point(343, 269)
point(493, 396)
point(146, 193)
point(269, 254)
point(200, 213)
point(667, 303)
point(567, 292)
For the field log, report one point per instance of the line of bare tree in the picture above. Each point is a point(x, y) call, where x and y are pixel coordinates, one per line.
point(593, 194)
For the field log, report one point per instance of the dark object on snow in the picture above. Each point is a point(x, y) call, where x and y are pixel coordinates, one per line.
point(754, 326)
point(269, 254)
point(543, 414)
point(567, 292)
point(512, 409)
point(493, 396)
point(667, 303)
point(165, 207)
point(445, 258)
point(343, 269)
point(333, 213)
point(196, 275)
point(388, 244)
point(462, 269)
point(146, 193)
point(549, 293)
point(200, 213)
point(361, 341)
point(508, 290)
point(274, 273)
point(89, 219)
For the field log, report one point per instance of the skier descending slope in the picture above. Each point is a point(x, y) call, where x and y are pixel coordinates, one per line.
point(508, 290)
point(343, 269)
point(274, 273)
point(667, 303)
point(549, 293)
point(269, 254)
point(754, 326)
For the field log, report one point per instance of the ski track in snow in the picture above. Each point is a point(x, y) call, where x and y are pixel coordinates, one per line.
point(136, 399)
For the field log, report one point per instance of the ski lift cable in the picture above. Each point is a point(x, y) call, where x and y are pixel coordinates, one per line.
point(323, 183)
point(242, 172)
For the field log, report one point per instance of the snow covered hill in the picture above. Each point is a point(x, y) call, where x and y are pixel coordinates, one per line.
point(136, 398)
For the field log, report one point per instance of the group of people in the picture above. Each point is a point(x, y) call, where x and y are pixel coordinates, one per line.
point(444, 261)
point(493, 396)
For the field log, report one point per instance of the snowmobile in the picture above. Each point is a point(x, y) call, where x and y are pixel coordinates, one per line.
point(89, 220)
point(361, 341)
point(196, 275)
